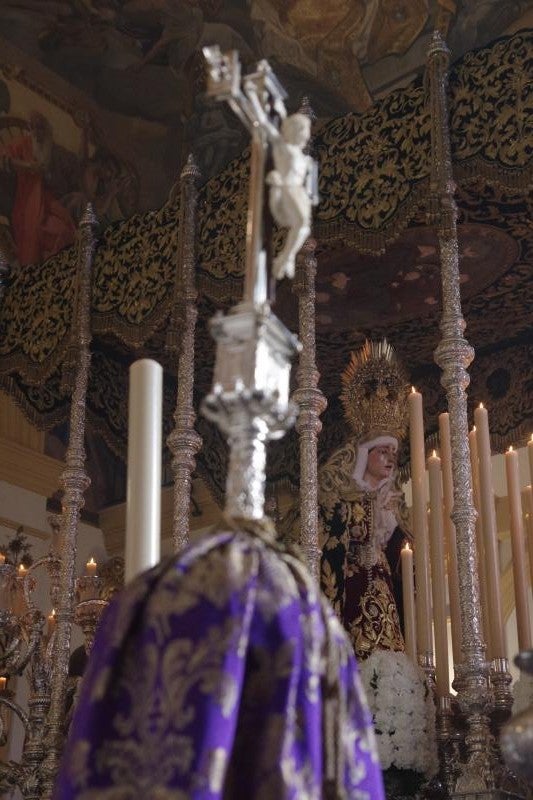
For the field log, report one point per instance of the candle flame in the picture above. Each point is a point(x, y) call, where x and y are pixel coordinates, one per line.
point(531, 440)
point(91, 562)
point(510, 448)
point(407, 546)
point(481, 405)
point(53, 613)
point(473, 428)
point(434, 454)
point(22, 569)
point(413, 390)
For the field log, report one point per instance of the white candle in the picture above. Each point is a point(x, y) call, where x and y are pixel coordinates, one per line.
point(530, 454)
point(408, 589)
point(438, 580)
point(450, 535)
point(51, 622)
point(483, 591)
point(490, 533)
point(91, 567)
point(143, 509)
point(420, 531)
point(518, 550)
point(529, 518)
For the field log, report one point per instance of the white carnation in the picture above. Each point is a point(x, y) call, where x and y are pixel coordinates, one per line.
point(403, 711)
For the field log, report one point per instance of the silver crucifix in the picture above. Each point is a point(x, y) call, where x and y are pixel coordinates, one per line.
point(258, 101)
point(250, 396)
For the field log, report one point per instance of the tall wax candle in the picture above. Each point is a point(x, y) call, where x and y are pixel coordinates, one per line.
point(143, 509)
point(480, 547)
point(529, 517)
point(408, 590)
point(490, 533)
point(438, 577)
point(450, 535)
point(517, 544)
point(420, 531)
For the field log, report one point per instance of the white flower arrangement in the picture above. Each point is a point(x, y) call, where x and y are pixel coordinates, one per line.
point(522, 693)
point(403, 711)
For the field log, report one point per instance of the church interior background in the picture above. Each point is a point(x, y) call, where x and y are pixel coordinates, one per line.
point(111, 96)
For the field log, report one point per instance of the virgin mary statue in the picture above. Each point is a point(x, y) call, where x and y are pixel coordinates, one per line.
point(363, 527)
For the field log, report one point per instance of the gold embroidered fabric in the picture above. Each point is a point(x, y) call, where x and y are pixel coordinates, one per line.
point(356, 575)
point(218, 676)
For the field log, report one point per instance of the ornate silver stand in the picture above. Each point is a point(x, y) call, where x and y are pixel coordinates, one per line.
point(29, 648)
point(184, 442)
point(311, 403)
point(74, 482)
point(477, 775)
point(250, 396)
point(249, 400)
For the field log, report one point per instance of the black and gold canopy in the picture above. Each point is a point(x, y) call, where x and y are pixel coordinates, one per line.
point(378, 270)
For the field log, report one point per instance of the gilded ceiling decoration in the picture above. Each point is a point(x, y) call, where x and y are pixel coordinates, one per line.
point(377, 266)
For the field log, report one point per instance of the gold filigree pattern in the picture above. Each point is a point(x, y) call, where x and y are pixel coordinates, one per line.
point(174, 667)
point(377, 625)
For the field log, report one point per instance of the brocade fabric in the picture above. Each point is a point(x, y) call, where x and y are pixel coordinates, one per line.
point(361, 579)
point(221, 673)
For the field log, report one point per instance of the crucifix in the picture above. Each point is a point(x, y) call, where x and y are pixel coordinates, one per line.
point(258, 101)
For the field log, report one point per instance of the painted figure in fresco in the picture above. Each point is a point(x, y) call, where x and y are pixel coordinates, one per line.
point(41, 225)
point(331, 39)
point(291, 191)
point(111, 192)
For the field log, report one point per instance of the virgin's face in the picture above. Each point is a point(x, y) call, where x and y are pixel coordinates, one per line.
point(380, 464)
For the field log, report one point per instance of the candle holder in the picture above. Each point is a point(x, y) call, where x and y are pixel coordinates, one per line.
point(88, 587)
point(26, 645)
point(501, 680)
point(87, 615)
point(447, 741)
point(426, 662)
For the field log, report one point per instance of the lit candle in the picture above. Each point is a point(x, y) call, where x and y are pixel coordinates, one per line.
point(517, 545)
point(2, 559)
point(480, 548)
point(490, 533)
point(22, 571)
point(438, 579)
point(420, 531)
point(450, 535)
point(3, 683)
point(530, 454)
point(408, 589)
point(143, 506)
point(51, 620)
point(91, 567)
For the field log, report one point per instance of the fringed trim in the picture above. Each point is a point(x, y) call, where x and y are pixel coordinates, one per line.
point(31, 372)
point(476, 168)
point(128, 333)
point(43, 421)
point(374, 242)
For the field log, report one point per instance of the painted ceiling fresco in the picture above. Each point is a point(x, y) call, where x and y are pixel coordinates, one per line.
point(124, 80)
point(141, 59)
